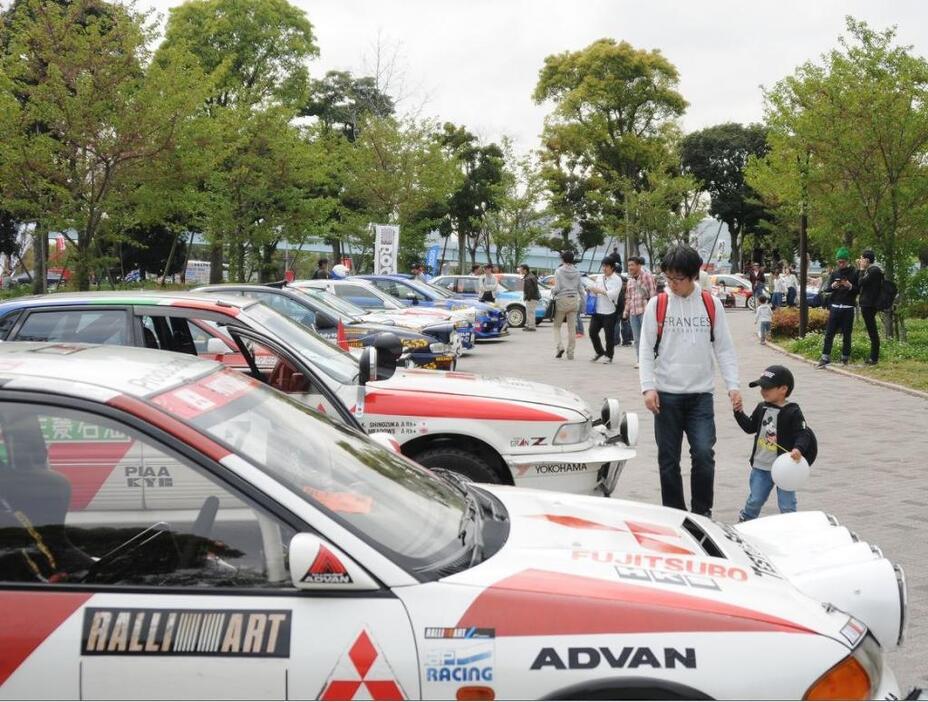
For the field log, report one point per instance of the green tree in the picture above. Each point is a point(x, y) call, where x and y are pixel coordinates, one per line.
point(612, 103)
point(854, 131)
point(717, 157)
point(518, 223)
point(340, 101)
point(83, 76)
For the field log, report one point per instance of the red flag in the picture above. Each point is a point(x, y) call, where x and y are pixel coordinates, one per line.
point(342, 337)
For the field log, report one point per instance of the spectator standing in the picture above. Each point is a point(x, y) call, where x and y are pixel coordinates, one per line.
point(779, 427)
point(531, 295)
point(476, 269)
point(567, 294)
point(322, 270)
point(842, 284)
point(779, 290)
point(676, 354)
point(763, 318)
point(604, 316)
point(870, 281)
point(641, 288)
point(756, 276)
point(792, 287)
point(488, 285)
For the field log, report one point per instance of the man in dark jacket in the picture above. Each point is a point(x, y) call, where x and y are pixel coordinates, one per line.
point(322, 270)
point(531, 296)
point(842, 284)
point(870, 282)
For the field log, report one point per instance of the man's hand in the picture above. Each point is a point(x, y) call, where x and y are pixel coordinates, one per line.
point(652, 402)
point(795, 455)
point(736, 404)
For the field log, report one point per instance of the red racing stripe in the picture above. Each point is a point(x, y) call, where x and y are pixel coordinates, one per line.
point(178, 429)
point(425, 404)
point(86, 465)
point(544, 603)
point(27, 619)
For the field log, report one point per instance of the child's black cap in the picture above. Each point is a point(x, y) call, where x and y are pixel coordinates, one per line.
point(774, 377)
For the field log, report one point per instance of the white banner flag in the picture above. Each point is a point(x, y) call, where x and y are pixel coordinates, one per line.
point(386, 247)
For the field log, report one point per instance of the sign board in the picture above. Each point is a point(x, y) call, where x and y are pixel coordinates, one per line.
point(386, 247)
point(431, 259)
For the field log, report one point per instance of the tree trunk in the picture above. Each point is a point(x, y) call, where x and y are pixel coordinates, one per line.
point(215, 262)
point(462, 250)
point(238, 256)
point(40, 252)
point(82, 270)
point(734, 256)
point(268, 272)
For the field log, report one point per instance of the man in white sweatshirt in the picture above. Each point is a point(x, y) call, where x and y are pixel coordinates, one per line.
point(682, 330)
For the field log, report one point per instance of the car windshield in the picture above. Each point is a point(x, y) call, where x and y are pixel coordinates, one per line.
point(399, 507)
point(389, 302)
point(443, 292)
point(339, 312)
point(334, 301)
point(327, 358)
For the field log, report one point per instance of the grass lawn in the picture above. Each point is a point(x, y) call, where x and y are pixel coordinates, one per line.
point(902, 363)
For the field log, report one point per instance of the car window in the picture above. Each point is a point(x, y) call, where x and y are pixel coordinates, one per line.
point(467, 285)
point(84, 499)
point(403, 292)
point(86, 326)
point(287, 307)
point(443, 282)
point(360, 296)
point(388, 286)
point(7, 322)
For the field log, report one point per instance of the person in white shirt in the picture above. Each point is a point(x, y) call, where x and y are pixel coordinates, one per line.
point(779, 290)
point(792, 287)
point(677, 373)
point(607, 297)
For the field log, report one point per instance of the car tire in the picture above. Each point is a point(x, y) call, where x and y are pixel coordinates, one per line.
point(752, 303)
point(515, 315)
point(468, 464)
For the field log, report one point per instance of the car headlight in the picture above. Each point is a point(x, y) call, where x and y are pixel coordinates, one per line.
point(856, 677)
point(573, 433)
point(439, 347)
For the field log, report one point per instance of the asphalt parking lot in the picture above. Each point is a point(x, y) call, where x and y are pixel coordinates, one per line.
point(870, 471)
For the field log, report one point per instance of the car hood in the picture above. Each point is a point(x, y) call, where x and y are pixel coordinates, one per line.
point(495, 387)
point(409, 321)
point(638, 561)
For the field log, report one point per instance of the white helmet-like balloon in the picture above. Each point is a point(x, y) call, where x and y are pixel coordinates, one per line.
point(789, 474)
point(340, 271)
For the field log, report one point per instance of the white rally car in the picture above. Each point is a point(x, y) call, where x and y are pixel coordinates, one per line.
point(247, 547)
point(489, 429)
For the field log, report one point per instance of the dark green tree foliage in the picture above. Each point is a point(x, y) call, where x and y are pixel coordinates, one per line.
point(147, 247)
point(717, 157)
point(480, 190)
point(340, 102)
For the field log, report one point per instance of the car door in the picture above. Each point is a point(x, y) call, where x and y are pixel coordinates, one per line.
point(158, 574)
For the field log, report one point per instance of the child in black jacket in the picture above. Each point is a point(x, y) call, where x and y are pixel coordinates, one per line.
point(779, 427)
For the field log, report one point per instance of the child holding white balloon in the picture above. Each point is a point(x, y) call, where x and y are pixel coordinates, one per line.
point(779, 428)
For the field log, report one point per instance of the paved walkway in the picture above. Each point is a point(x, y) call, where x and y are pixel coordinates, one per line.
point(871, 472)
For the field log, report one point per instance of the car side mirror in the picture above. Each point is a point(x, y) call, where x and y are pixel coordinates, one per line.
point(217, 346)
point(367, 366)
point(316, 564)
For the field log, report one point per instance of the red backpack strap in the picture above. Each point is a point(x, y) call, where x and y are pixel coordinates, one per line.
point(661, 316)
point(709, 302)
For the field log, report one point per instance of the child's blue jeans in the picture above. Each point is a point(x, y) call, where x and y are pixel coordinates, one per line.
point(761, 483)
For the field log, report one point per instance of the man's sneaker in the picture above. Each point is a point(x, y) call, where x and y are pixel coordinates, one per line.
point(560, 352)
point(636, 364)
point(607, 360)
point(870, 362)
point(596, 358)
point(823, 363)
point(844, 361)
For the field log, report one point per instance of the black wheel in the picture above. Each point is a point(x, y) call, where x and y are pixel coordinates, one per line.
point(468, 464)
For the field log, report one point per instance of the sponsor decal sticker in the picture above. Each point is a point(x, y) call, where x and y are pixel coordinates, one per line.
point(853, 631)
point(759, 562)
point(463, 654)
point(326, 569)
point(148, 476)
point(554, 468)
point(362, 672)
point(186, 632)
point(670, 564)
point(645, 534)
point(589, 658)
point(662, 578)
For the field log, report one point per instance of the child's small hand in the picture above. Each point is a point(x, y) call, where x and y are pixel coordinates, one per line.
point(795, 455)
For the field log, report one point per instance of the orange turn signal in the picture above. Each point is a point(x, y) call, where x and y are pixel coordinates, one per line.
point(846, 681)
point(481, 693)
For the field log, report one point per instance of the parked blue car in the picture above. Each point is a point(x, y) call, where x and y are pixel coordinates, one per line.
point(490, 323)
point(507, 298)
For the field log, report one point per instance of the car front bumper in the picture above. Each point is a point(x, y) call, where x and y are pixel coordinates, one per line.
point(591, 471)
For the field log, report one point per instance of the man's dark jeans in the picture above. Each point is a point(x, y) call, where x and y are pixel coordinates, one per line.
point(604, 322)
point(694, 415)
point(839, 319)
point(869, 315)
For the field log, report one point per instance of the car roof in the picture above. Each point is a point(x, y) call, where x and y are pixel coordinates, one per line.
point(127, 298)
point(96, 371)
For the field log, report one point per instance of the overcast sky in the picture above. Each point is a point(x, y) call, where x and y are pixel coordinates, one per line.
point(475, 62)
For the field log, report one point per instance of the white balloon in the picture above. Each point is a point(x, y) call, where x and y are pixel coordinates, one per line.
point(789, 474)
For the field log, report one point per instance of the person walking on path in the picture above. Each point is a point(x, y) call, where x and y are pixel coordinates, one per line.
point(756, 276)
point(531, 295)
point(871, 286)
point(842, 284)
point(607, 298)
point(488, 285)
point(567, 294)
point(683, 333)
point(640, 289)
point(322, 270)
point(763, 318)
point(778, 427)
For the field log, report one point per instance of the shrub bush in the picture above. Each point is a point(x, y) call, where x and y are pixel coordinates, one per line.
point(917, 310)
point(786, 322)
